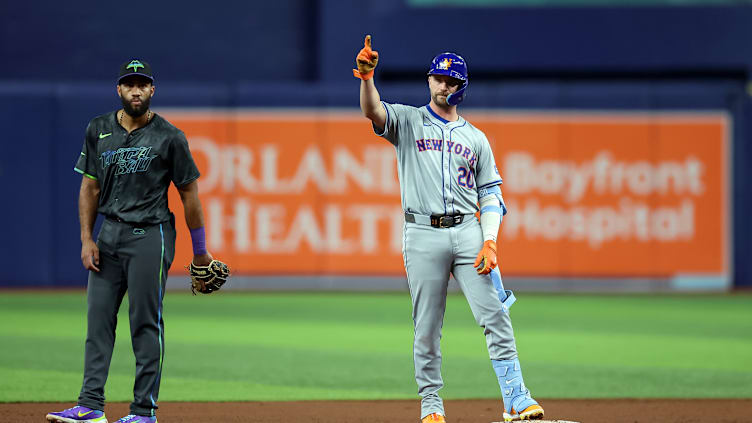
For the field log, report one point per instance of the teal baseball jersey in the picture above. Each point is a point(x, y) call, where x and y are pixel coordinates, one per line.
point(135, 170)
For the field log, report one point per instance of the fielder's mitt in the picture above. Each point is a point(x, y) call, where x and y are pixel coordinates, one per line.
point(209, 278)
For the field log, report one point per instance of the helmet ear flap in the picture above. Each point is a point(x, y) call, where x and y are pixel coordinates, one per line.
point(456, 97)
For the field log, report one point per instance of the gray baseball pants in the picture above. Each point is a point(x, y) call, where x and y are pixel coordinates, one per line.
point(132, 258)
point(430, 254)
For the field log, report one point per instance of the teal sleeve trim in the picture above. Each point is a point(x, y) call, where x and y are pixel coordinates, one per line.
point(84, 173)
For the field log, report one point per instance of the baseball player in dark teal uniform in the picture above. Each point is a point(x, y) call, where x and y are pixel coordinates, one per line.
point(128, 160)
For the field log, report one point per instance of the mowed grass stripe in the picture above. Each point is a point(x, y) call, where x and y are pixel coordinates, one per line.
point(293, 346)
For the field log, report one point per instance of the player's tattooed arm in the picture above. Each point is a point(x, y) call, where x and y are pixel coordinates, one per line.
point(88, 200)
point(194, 216)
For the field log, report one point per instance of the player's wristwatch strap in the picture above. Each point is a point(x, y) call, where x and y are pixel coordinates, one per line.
point(437, 221)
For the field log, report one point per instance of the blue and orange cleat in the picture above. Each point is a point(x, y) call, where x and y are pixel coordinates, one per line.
point(532, 412)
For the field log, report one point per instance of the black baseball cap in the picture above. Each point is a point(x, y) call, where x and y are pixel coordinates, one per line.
point(135, 67)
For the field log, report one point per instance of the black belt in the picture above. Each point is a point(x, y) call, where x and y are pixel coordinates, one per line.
point(119, 220)
point(436, 221)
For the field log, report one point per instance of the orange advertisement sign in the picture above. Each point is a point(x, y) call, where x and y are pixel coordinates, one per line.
point(603, 195)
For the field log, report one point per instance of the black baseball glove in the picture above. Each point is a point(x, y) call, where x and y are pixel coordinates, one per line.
point(209, 278)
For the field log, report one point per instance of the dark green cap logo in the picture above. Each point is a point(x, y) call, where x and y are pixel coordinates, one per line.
point(135, 64)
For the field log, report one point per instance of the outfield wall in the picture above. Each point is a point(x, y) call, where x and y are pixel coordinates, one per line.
point(548, 63)
point(592, 194)
point(612, 183)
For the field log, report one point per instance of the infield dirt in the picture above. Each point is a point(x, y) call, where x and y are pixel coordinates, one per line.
point(459, 411)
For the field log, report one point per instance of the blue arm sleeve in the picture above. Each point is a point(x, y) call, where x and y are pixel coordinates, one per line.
point(496, 191)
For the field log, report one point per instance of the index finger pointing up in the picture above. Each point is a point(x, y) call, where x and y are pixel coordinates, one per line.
point(368, 41)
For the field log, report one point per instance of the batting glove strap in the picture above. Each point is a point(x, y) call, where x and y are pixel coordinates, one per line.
point(363, 76)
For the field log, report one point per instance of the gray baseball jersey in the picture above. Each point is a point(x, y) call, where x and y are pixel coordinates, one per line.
point(442, 165)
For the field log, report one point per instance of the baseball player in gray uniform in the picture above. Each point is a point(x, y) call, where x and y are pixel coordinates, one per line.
point(128, 161)
point(447, 173)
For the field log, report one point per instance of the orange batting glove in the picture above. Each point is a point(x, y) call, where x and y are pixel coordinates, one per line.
point(366, 61)
point(486, 260)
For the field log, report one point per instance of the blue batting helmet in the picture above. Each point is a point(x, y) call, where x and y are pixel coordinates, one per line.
point(453, 65)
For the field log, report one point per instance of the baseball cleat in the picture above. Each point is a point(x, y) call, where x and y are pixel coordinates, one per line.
point(533, 412)
point(77, 414)
point(433, 418)
point(132, 418)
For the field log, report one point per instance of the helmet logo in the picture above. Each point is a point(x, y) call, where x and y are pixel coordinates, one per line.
point(445, 64)
point(135, 64)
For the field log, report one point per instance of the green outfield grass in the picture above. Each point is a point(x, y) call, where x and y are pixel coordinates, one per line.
point(295, 346)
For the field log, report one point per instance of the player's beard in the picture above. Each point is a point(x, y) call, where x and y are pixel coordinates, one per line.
point(137, 111)
point(440, 99)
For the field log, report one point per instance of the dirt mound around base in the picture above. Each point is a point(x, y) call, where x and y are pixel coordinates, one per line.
point(458, 411)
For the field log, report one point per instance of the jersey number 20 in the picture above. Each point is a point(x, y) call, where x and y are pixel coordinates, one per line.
point(465, 179)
